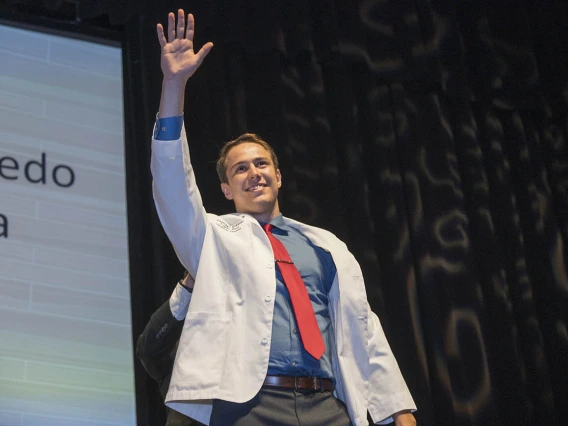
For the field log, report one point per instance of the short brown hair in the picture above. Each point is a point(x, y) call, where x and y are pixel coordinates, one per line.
point(244, 138)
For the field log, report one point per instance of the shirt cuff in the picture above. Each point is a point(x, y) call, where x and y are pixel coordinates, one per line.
point(179, 302)
point(168, 128)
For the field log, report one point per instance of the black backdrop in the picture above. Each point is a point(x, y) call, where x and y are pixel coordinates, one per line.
point(431, 136)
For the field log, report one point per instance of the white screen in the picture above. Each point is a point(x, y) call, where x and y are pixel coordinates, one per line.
point(65, 325)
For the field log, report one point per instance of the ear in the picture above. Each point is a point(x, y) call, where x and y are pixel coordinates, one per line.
point(278, 178)
point(227, 191)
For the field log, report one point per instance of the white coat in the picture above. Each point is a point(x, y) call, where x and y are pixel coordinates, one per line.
point(225, 343)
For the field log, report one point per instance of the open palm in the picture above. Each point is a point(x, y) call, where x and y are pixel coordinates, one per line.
point(178, 60)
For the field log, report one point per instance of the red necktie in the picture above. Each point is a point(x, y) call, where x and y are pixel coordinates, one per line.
point(301, 304)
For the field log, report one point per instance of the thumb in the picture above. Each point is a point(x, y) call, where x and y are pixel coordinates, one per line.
point(204, 51)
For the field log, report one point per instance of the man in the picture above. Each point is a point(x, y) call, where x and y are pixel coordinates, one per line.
point(264, 342)
point(157, 345)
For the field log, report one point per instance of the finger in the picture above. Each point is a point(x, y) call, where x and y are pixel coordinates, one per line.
point(171, 27)
point(204, 51)
point(161, 38)
point(190, 31)
point(181, 24)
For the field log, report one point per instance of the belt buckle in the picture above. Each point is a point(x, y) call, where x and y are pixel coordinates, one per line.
point(315, 384)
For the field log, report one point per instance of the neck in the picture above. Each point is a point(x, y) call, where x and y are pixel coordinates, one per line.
point(266, 216)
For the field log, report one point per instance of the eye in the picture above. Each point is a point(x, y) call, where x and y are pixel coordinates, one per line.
point(262, 163)
point(241, 169)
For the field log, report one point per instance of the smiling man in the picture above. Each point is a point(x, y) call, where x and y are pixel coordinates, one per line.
point(278, 331)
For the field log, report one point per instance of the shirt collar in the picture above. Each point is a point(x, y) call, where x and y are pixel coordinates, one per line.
point(278, 223)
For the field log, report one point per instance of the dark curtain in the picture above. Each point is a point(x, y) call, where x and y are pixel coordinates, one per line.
point(431, 136)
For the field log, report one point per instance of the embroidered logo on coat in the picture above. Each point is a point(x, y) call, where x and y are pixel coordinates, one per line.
point(231, 228)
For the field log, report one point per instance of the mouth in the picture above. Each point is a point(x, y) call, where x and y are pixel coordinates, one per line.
point(257, 187)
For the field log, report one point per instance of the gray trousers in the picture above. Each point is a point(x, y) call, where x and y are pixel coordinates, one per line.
point(282, 407)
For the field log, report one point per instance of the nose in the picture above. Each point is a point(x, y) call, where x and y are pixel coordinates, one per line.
point(253, 172)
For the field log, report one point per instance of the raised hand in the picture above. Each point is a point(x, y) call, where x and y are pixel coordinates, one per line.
point(178, 60)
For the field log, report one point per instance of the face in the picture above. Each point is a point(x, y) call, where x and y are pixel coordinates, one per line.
point(253, 182)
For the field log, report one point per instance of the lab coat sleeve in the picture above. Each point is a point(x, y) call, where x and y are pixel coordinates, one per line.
point(177, 198)
point(388, 393)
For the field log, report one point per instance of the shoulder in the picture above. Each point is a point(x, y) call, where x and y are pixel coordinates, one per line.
point(315, 233)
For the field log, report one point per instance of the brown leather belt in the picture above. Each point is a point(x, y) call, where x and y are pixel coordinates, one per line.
point(300, 383)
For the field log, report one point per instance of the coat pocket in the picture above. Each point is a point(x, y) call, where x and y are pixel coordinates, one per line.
point(202, 348)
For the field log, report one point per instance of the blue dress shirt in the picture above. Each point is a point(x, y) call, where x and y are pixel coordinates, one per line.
point(287, 354)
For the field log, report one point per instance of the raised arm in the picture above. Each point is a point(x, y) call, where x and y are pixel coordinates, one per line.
point(176, 195)
point(178, 61)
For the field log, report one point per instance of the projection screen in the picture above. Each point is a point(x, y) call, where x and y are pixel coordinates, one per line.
point(65, 324)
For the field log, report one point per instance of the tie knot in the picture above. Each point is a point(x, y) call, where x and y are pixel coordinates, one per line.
point(267, 228)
